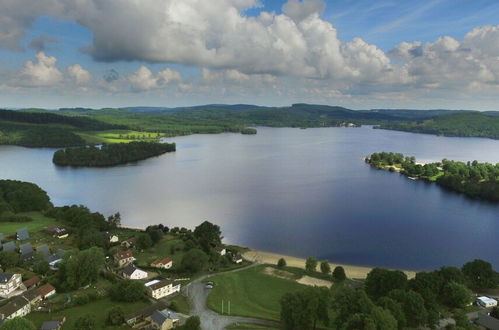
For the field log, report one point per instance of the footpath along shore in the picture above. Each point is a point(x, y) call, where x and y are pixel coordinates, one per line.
point(354, 272)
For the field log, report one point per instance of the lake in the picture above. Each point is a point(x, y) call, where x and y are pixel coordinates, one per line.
point(292, 191)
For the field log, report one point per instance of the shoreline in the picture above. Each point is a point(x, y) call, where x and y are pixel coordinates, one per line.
point(352, 271)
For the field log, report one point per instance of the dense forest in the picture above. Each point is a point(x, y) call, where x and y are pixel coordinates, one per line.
point(462, 124)
point(473, 179)
point(110, 154)
point(17, 196)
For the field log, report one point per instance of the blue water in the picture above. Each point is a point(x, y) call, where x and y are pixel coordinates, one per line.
point(292, 191)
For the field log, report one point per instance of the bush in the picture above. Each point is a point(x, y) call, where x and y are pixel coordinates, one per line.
point(115, 316)
point(339, 274)
point(15, 218)
point(127, 291)
point(281, 263)
point(81, 300)
point(192, 323)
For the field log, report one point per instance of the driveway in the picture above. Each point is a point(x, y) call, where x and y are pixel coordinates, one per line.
point(210, 320)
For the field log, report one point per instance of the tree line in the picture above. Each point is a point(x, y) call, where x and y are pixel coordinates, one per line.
point(110, 154)
point(473, 179)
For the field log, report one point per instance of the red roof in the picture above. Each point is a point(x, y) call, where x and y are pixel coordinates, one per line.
point(123, 255)
point(163, 261)
point(45, 289)
point(32, 281)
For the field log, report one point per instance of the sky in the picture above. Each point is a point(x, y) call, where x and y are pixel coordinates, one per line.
point(360, 54)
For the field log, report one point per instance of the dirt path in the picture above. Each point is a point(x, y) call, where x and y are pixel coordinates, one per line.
point(210, 320)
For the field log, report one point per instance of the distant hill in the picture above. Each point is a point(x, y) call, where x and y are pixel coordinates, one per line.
point(468, 124)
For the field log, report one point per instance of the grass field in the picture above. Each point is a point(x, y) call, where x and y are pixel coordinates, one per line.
point(162, 250)
point(182, 303)
point(249, 326)
point(251, 293)
point(97, 310)
point(118, 136)
point(39, 222)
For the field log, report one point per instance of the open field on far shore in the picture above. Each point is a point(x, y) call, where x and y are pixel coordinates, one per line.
point(353, 272)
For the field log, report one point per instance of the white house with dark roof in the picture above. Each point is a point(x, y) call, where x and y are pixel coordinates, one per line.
point(124, 258)
point(221, 250)
point(158, 289)
point(18, 307)
point(111, 238)
point(133, 273)
point(11, 284)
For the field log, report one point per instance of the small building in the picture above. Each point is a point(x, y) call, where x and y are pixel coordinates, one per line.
point(129, 242)
point(9, 247)
point(43, 250)
point(46, 291)
point(163, 320)
point(486, 321)
point(33, 296)
point(124, 258)
point(144, 313)
point(31, 282)
point(237, 258)
point(133, 273)
point(58, 232)
point(111, 238)
point(486, 302)
point(221, 250)
point(11, 284)
point(158, 289)
point(165, 263)
point(26, 251)
point(53, 325)
point(22, 234)
point(18, 307)
point(1, 237)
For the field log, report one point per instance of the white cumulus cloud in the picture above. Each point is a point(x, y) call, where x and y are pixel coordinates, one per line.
point(41, 73)
point(143, 79)
point(79, 74)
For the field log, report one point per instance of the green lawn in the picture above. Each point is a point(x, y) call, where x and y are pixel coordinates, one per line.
point(97, 309)
point(248, 326)
point(119, 136)
point(162, 250)
point(251, 293)
point(182, 303)
point(39, 222)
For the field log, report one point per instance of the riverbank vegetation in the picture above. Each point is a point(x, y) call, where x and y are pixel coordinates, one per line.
point(473, 179)
point(110, 154)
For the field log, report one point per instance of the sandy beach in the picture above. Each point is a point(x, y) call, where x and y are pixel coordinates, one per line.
point(354, 272)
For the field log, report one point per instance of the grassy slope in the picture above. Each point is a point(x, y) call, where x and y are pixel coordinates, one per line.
point(39, 222)
point(251, 293)
point(97, 310)
point(162, 250)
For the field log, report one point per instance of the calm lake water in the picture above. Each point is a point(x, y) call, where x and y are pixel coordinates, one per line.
point(293, 191)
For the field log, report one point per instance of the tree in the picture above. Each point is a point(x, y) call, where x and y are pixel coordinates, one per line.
point(18, 323)
point(144, 241)
point(413, 305)
point(325, 267)
point(395, 309)
point(281, 263)
point(192, 323)
point(479, 273)
point(347, 302)
point(127, 291)
point(85, 322)
point(208, 235)
point(456, 295)
point(194, 260)
point(495, 312)
point(311, 264)
point(303, 309)
point(339, 274)
point(155, 234)
point(461, 319)
point(40, 265)
point(380, 282)
point(9, 259)
point(114, 220)
point(79, 268)
point(115, 316)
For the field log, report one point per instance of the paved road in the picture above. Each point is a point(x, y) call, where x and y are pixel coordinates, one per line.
point(210, 320)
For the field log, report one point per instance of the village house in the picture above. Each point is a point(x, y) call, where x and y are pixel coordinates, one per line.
point(165, 263)
point(164, 320)
point(33, 296)
point(18, 307)
point(133, 273)
point(237, 258)
point(10, 285)
point(124, 258)
point(128, 243)
point(144, 314)
point(220, 250)
point(46, 291)
point(22, 234)
point(58, 232)
point(26, 251)
point(9, 247)
point(111, 238)
point(31, 282)
point(53, 325)
point(158, 289)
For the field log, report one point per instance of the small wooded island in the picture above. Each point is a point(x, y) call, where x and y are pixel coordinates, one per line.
point(473, 179)
point(110, 154)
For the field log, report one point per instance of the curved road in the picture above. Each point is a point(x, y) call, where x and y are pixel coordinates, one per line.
point(210, 320)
